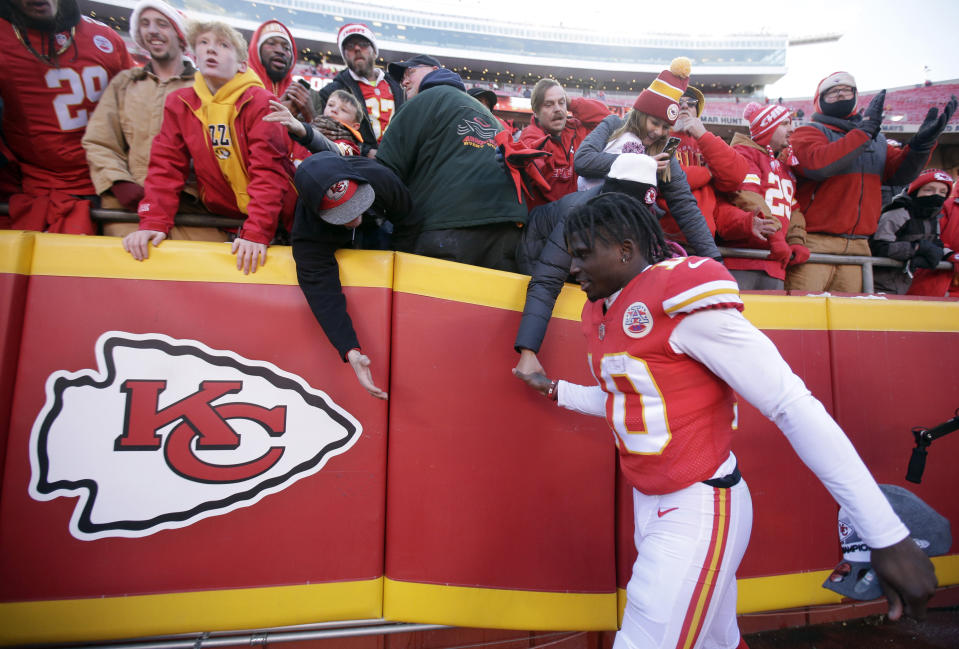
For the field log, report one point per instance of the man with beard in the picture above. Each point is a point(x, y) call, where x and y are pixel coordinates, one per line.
point(122, 128)
point(377, 92)
point(844, 160)
point(272, 56)
point(55, 64)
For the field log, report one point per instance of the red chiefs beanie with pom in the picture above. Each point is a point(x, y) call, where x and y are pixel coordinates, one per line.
point(763, 120)
point(661, 98)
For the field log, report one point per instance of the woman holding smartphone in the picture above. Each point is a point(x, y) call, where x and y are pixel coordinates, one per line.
point(645, 131)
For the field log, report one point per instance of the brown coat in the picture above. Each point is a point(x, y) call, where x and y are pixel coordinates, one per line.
point(121, 129)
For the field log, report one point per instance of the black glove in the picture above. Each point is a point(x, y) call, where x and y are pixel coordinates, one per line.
point(872, 117)
point(933, 126)
point(927, 255)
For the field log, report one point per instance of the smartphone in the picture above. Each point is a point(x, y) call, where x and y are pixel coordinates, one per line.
point(671, 145)
point(303, 82)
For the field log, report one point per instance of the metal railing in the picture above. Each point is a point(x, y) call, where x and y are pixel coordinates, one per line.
point(266, 637)
point(867, 263)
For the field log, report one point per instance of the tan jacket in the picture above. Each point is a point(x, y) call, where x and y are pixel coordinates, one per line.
point(121, 129)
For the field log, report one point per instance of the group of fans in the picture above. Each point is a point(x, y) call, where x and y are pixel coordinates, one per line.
point(213, 124)
point(229, 131)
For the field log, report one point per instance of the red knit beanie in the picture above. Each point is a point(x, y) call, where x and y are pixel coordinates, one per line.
point(763, 120)
point(661, 98)
point(930, 176)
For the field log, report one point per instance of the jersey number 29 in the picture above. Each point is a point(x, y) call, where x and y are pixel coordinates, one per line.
point(86, 86)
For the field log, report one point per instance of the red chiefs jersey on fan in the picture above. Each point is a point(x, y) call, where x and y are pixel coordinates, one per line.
point(46, 107)
point(671, 416)
point(379, 104)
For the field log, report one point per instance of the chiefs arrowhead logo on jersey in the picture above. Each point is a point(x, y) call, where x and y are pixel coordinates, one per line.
point(167, 432)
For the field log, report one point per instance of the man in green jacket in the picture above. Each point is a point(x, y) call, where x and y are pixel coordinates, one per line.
point(440, 144)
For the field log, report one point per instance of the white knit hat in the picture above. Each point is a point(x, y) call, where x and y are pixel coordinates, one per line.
point(172, 14)
point(355, 29)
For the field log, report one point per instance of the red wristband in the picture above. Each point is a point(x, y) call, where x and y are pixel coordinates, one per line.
point(553, 393)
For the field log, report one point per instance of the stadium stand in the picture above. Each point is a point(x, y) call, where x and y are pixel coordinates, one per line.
point(510, 51)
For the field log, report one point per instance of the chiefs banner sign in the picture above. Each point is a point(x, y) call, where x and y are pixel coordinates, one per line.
point(184, 451)
point(166, 432)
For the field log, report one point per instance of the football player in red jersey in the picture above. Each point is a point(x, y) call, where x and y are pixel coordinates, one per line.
point(56, 64)
point(668, 343)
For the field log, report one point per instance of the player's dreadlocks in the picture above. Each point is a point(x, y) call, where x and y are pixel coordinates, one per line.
point(614, 217)
point(66, 19)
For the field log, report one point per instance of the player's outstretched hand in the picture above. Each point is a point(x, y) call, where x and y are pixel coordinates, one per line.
point(361, 365)
point(536, 380)
point(249, 255)
point(138, 243)
point(907, 577)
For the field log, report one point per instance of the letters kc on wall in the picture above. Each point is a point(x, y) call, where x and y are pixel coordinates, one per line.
point(167, 432)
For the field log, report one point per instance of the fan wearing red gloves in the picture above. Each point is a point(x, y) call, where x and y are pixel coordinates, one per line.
point(765, 215)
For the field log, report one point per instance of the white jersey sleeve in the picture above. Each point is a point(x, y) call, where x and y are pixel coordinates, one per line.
point(587, 399)
point(737, 352)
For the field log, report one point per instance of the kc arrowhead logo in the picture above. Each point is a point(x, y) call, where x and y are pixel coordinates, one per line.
point(168, 432)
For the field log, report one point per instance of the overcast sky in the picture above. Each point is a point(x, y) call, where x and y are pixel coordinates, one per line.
point(885, 43)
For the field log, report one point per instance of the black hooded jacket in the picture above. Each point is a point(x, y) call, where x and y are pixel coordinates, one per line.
point(315, 241)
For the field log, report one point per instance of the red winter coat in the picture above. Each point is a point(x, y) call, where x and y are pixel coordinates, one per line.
point(771, 180)
point(844, 171)
point(262, 145)
point(253, 56)
point(557, 169)
point(589, 112)
point(942, 283)
point(297, 152)
point(710, 166)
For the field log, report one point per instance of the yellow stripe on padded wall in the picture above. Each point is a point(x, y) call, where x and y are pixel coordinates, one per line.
point(494, 608)
point(110, 618)
point(16, 251)
point(197, 261)
point(879, 314)
point(784, 312)
point(780, 592)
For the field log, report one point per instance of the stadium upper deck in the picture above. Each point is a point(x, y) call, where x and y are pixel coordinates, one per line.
point(504, 51)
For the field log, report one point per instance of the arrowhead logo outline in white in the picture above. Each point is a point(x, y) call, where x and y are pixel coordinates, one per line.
point(77, 444)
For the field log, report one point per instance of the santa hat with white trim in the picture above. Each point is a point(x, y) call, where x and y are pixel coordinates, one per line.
point(172, 14)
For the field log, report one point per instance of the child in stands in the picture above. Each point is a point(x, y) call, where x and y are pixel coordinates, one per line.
point(337, 129)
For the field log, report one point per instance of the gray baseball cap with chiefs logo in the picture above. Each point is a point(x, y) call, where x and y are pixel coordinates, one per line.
point(854, 577)
point(345, 200)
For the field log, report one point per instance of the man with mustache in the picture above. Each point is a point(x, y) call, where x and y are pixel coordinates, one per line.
point(554, 131)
